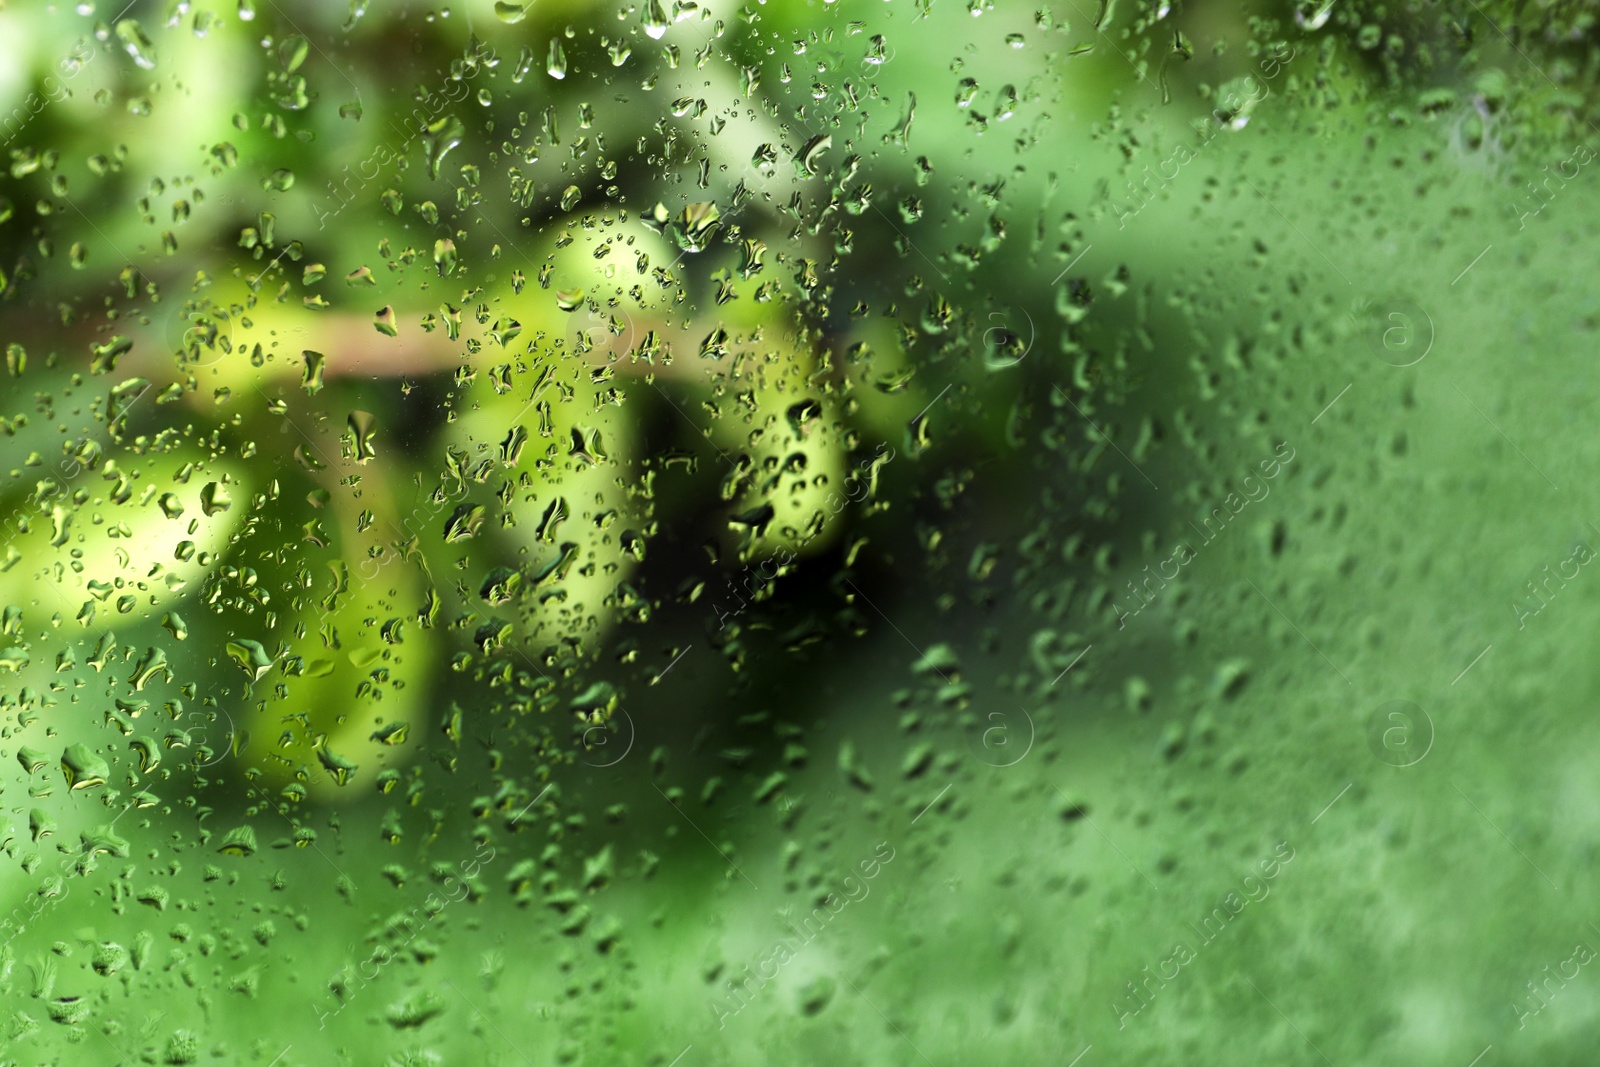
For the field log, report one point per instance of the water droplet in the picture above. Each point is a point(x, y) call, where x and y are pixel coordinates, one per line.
point(341, 768)
point(83, 768)
point(655, 19)
point(250, 657)
point(311, 380)
point(384, 321)
point(1006, 103)
point(214, 498)
point(292, 53)
point(363, 425)
point(444, 256)
point(440, 137)
point(240, 841)
point(137, 44)
point(808, 155)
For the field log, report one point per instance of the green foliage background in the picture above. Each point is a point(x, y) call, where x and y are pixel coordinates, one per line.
point(604, 590)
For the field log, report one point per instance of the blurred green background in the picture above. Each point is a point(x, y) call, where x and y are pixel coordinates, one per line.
point(907, 532)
